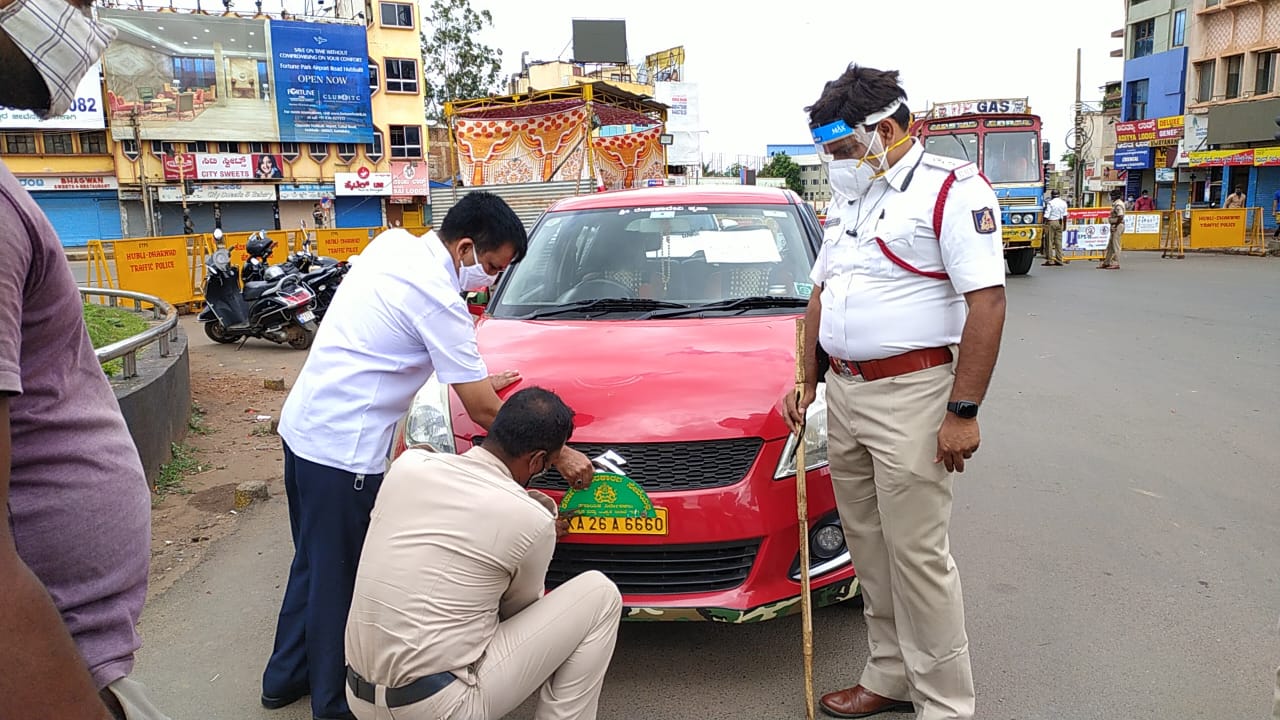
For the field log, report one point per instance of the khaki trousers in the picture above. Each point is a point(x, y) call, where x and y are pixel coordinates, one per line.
point(1053, 241)
point(895, 506)
point(561, 643)
point(1113, 247)
point(127, 700)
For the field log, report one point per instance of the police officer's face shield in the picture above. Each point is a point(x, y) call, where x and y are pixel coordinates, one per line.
point(840, 141)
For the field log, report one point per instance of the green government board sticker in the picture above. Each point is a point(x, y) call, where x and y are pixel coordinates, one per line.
point(610, 495)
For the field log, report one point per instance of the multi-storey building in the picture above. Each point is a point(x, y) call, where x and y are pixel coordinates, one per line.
point(187, 129)
point(1234, 100)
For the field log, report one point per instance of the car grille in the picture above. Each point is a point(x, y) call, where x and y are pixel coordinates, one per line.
point(658, 569)
point(665, 467)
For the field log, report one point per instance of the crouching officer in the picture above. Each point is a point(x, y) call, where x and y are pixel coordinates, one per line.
point(449, 619)
point(909, 303)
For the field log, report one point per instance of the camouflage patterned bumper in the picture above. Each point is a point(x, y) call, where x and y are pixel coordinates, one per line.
point(830, 595)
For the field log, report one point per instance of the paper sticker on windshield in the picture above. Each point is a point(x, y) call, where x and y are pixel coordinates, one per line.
point(774, 213)
point(804, 289)
point(662, 214)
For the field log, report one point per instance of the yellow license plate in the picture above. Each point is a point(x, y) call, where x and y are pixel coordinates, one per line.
point(621, 526)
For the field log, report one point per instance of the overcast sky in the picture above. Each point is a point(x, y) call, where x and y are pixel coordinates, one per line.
point(756, 71)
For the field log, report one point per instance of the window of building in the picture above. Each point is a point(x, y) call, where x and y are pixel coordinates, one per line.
point(290, 151)
point(93, 143)
point(1204, 81)
point(200, 146)
point(192, 73)
point(20, 143)
point(1137, 96)
point(318, 151)
point(228, 147)
point(1211, 3)
point(346, 152)
point(402, 75)
point(260, 148)
point(1179, 28)
point(1144, 35)
point(161, 148)
point(375, 82)
point(1235, 64)
point(373, 150)
point(406, 141)
point(59, 144)
point(1265, 79)
point(130, 149)
point(399, 15)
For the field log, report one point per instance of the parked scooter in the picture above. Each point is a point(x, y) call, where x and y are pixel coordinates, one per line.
point(276, 309)
point(321, 274)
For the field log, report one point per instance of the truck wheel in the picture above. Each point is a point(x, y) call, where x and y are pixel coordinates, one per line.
point(1020, 260)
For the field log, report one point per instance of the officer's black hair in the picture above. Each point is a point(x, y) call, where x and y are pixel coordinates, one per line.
point(488, 220)
point(530, 420)
point(857, 94)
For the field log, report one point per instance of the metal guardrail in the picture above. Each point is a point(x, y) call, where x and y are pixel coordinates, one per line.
point(128, 348)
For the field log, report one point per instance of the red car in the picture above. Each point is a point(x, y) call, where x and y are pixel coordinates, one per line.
point(665, 318)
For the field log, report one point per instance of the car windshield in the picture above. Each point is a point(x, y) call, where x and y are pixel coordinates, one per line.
point(1011, 157)
point(651, 258)
point(961, 146)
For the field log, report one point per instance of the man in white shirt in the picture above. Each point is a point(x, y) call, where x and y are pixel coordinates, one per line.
point(909, 303)
point(398, 318)
point(448, 620)
point(1055, 220)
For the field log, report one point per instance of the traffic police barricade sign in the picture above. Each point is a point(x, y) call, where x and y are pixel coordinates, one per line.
point(1142, 230)
point(1228, 229)
point(1086, 235)
point(342, 243)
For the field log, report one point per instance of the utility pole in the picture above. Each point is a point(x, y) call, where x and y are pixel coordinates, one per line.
point(1078, 175)
point(142, 172)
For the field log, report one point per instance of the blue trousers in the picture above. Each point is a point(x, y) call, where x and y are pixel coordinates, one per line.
point(328, 516)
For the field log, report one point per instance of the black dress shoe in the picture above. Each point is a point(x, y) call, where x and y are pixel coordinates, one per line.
point(293, 696)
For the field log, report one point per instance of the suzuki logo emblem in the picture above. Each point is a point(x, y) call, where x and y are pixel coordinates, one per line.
point(611, 461)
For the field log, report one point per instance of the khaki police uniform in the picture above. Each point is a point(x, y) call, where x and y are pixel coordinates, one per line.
point(1112, 256)
point(449, 596)
point(893, 304)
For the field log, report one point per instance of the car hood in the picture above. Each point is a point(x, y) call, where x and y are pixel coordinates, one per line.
point(651, 380)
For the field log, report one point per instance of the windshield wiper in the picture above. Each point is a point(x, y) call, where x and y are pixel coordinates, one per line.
point(604, 306)
point(753, 302)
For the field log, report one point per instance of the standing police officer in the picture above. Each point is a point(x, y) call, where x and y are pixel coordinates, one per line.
point(912, 241)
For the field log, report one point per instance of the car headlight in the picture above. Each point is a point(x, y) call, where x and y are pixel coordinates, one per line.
point(429, 422)
point(1028, 218)
point(1015, 219)
point(815, 439)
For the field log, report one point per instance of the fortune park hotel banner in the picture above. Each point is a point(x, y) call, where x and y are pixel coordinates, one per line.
point(180, 77)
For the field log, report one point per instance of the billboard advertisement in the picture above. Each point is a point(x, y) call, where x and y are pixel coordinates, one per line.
point(86, 111)
point(227, 79)
point(222, 166)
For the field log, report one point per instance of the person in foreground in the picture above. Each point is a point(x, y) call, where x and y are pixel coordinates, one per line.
point(909, 303)
point(398, 318)
point(76, 541)
point(449, 619)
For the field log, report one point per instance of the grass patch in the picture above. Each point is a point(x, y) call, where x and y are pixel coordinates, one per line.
point(174, 472)
point(107, 325)
point(195, 422)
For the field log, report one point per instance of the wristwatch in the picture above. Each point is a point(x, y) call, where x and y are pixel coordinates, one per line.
point(963, 409)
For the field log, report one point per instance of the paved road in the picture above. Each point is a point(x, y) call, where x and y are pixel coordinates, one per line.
point(1117, 534)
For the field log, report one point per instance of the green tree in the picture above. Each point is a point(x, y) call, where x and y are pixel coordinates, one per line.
point(782, 166)
point(454, 64)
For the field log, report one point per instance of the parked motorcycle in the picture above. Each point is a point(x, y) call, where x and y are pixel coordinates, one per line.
point(276, 309)
point(321, 274)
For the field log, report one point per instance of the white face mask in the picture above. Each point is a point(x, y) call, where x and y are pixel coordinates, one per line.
point(473, 277)
point(61, 41)
point(850, 178)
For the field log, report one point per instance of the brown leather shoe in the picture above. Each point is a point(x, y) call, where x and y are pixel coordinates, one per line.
point(859, 702)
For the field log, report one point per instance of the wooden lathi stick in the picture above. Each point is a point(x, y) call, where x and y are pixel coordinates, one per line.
point(802, 512)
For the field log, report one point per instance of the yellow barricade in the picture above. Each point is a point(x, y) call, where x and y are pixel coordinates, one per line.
point(1086, 235)
point(1173, 240)
point(342, 243)
point(1223, 229)
point(157, 266)
point(1142, 230)
point(284, 239)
